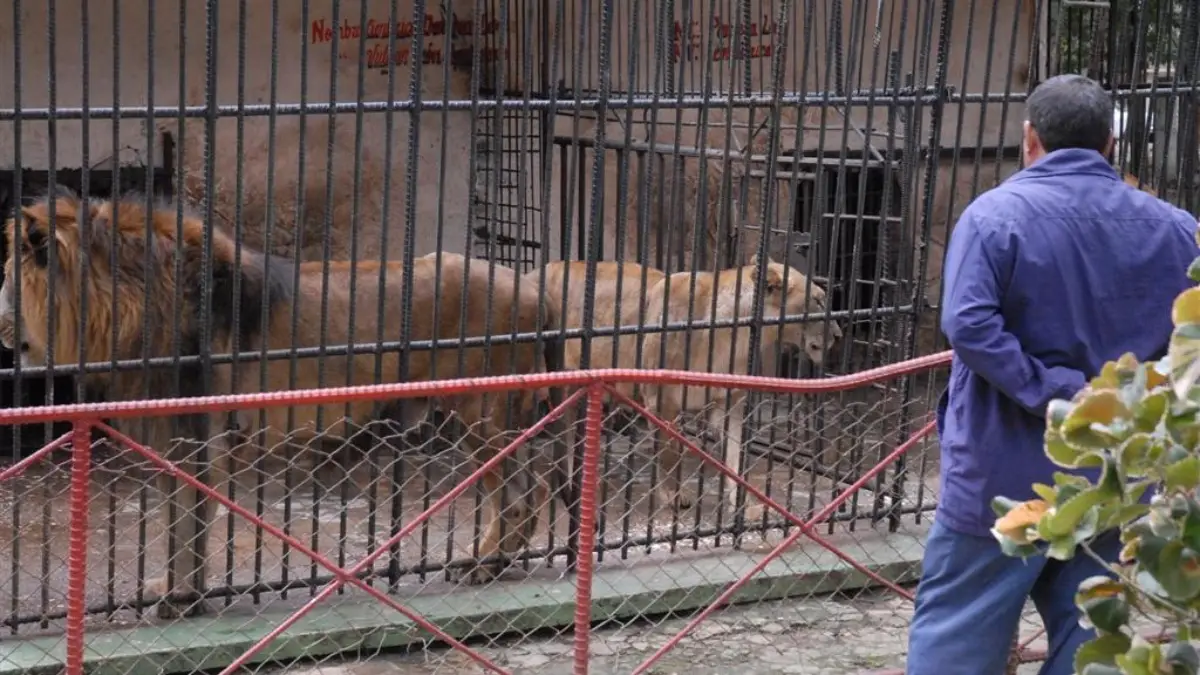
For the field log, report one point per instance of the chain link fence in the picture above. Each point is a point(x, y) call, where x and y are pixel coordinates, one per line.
point(387, 547)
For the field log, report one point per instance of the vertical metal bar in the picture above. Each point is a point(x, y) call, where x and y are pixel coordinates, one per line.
point(551, 90)
point(149, 186)
point(911, 148)
point(352, 426)
point(595, 231)
point(238, 236)
point(84, 221)
point(260, 487)
point(318, 492)
point(51, 334)
point(212, 31)
point(574, 170)
point(177, 315)
point(699, 225)
point(472, 169)
point(410, 228)
point(931, 164)
point(19, 171)
point(427, 470)
point(587, 524)
point(298, 226)
point(621, 242)
point(389, 128)
point(491, 206)
point(81, 463)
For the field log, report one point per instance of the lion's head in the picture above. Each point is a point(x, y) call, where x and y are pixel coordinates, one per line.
point(138, 269)
point(790, 293)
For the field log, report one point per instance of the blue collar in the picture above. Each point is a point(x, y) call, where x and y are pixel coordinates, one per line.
point(1066, 162)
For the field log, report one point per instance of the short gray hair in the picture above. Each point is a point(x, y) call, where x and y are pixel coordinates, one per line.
point(1071, 111)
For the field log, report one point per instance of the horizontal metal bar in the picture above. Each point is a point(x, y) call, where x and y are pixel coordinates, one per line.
point(249, 357)
point(617, 103)
point(463, 105)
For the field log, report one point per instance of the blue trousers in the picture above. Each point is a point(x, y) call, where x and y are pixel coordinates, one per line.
point(970, 597)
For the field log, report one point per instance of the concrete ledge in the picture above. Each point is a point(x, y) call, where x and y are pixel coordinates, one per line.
point(679, 582)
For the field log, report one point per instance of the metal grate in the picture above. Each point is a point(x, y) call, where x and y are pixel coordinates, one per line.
point(508, 146)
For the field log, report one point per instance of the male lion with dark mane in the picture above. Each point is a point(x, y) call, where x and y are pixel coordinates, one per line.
point(651, 298)
point(150, 248)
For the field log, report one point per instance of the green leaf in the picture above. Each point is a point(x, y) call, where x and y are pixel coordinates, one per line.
point(1066, 519)
point(1111, 486)
point(1101, 650)
point(1194, 270)
point(1141, 659)
point(1184, 355)
point(1045, 492)
point(1098, 668)
point(1176, 568)
point(1065, 546)
point(1149, 410)
point(1183, 426)
point(1064, 480)
point(1002, 505)
point(1102, 600)
point(1190, 534)
point(1014, 549)
point(1129, 513)
point(1087, 424)
point(1134, 453)
point(1183, 474)
point(1182, 658)
point(1056, 412)
point(1059, 451)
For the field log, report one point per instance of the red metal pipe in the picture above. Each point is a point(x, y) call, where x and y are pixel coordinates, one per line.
point(21, 466)
point(576, 378)
point(587, 528)
point(81, 464)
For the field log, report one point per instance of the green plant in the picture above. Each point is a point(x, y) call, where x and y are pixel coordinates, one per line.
point(1139, 423)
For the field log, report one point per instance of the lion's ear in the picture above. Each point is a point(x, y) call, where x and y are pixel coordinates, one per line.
point(36, 235)
point(774, 280)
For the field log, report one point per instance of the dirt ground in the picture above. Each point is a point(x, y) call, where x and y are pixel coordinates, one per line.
point(819, 636)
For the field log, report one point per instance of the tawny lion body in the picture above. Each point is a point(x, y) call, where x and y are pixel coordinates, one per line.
point(258, 279)
point(722, 350)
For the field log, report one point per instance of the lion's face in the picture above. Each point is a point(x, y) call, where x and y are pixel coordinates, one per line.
point(42, 260)
point(795, 297)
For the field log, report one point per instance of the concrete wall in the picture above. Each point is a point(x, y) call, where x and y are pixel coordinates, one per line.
point(445, 190)
point(177, 75)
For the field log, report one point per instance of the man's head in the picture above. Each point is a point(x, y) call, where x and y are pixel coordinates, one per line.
point(1067, 111)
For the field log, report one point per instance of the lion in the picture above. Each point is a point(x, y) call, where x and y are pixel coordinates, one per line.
point(788, 292)
point(156, 254)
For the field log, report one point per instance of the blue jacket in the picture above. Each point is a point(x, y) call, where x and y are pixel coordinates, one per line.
point(1054, 272)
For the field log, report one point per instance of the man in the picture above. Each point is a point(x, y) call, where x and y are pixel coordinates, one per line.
point(1048, 276)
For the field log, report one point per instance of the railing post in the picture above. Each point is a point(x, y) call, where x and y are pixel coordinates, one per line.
point(81, 464)
point(587, 527)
